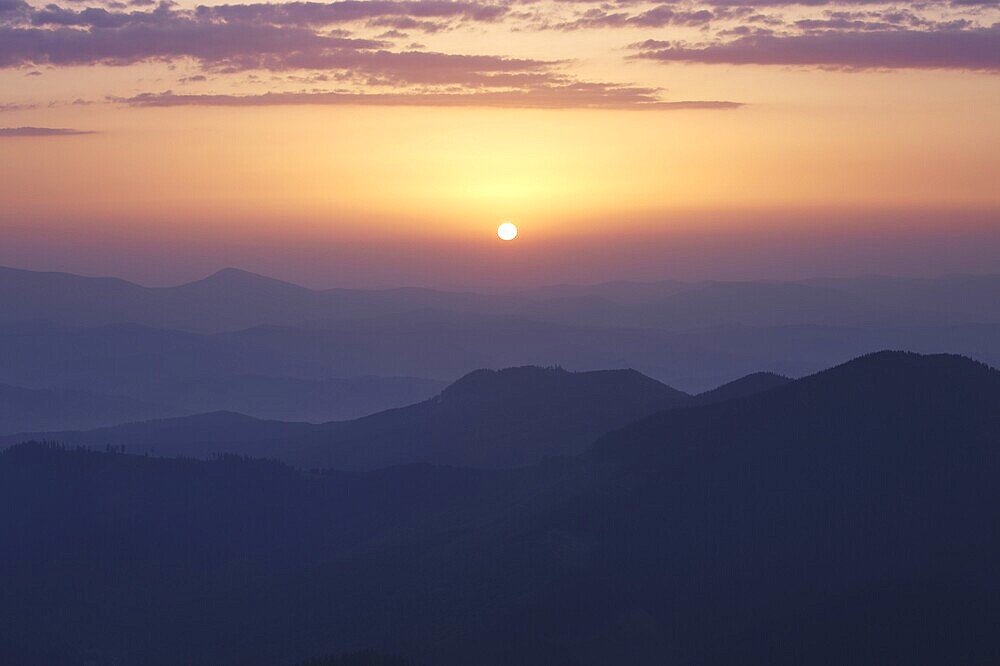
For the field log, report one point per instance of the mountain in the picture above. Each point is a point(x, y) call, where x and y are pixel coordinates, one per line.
point(208, 525)
point(116, 338)
point(757, 382)
point(622, 292)
point(491, 419)
point(680, 307)
point(974, 295)
point(847, 517)
point(233, 299)
point(227, 300)
point(24, 409)
point(360, 658)
point(487, 419)
point(147, 363)
point(766, 304)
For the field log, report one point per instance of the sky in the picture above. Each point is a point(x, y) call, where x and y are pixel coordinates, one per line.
point(381, 142)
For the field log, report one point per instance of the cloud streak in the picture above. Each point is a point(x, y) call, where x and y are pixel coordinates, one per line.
point(14, 106)
point(657, 17)
point(825, 3)
point(320, 14)
point(39, 131)
point(577, 96)
point(970, 49)
point(159, 35)
point(228, 39)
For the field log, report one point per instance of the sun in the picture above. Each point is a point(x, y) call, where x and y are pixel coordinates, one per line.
point(507, 231)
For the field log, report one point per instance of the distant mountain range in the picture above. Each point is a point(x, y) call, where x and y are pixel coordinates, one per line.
point(232, 299)
point(846, 517)
point(245, 343)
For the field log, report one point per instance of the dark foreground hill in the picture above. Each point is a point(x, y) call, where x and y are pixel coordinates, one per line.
point(360, 658)
point(848, 517)
point(488, 419)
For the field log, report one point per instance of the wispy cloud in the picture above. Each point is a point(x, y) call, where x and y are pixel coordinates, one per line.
point(970, 49)
point(825, 3)
point(318, 14)
point(235, 38)
point(657, 17)
point(580, 95)
point(122, 39)
point(39, 131)
point(12, 106)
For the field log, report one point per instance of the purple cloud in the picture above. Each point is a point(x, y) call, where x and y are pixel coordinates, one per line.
point(657, 17)
point(317, 13)
point(971, 49)
point(14, 11)
point(162, 34)
point(576, 95)
point(58, 36)
point(420, 67)
point(39, 131)
point(816, 3)
point(393, 34)
point(284, 38)
point(409, 23)
point(665, 15)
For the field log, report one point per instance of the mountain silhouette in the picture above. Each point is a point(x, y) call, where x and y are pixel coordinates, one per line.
point(490, 418)
point(847, 517)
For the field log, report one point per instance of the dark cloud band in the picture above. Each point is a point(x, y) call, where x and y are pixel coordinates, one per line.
point(593, 96)
point(39, 131)
point(973, 49)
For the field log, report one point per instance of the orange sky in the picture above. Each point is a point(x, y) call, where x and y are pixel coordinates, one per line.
point(812, 149)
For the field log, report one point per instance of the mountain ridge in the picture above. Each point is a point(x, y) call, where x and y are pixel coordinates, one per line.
point(487, 418)
point(233, 298)
point(832, 520)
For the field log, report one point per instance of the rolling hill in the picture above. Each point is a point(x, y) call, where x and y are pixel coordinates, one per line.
point(491, 419)
point(487, 419)
point(847, 517)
